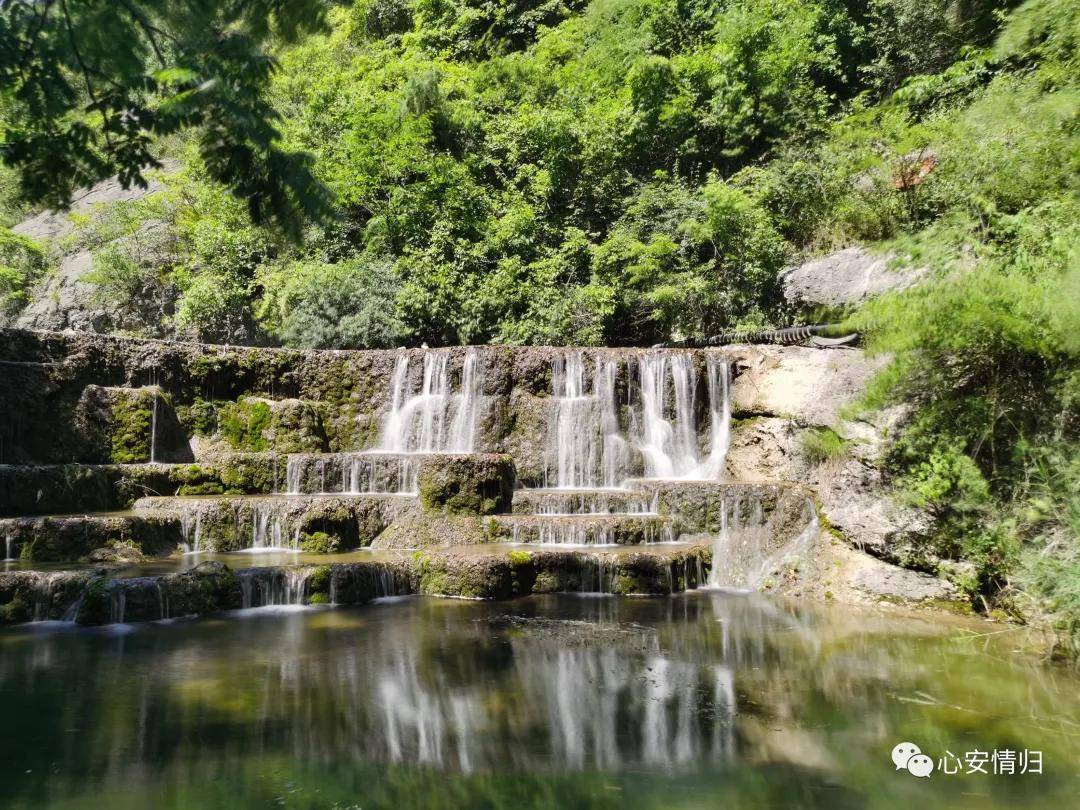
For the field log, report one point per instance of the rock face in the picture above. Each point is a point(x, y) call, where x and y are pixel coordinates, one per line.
point(476, 484)
point(845, 278)
point(64, 299)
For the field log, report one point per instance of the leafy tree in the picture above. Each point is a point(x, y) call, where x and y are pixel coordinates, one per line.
point(87, 85)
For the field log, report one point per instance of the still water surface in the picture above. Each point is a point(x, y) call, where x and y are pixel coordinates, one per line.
point(702, 700)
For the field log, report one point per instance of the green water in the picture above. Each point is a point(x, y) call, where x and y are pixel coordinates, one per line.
point(703, 700)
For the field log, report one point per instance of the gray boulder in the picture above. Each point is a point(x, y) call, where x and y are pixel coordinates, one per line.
point(845, 278)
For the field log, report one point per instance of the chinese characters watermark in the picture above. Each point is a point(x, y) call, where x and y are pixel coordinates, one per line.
point(1001, 762)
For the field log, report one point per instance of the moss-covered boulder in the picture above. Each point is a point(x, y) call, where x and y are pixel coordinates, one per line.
point(480, 484)
point(38, 595)
point(469, 576)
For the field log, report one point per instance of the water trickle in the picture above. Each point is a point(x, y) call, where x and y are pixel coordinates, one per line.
point(117, 603)
point(163, 599)
point(153, 426)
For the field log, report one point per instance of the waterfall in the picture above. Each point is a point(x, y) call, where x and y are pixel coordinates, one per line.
point(615, 460)
point(742, 557)
point(293, 469)
point(721, 548)
point(433, 420)
point(463, 428)
point(571, 435)
point(261, 587)
point(586, 446)
point(269, 530)
point(667, 436)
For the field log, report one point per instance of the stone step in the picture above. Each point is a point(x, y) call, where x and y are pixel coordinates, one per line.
point(583, 502)
point(487, 572)
point(586, 530)
point(65, 538)
point(709, 506)
point(69, 488)
point(300, 522)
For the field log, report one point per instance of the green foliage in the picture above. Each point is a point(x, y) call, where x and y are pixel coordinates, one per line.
point(319, 543)
point(499, 170)
point(242, 424)
point(909, 37)
point(21, 263)
point(823, 444)
point(344, 305)
point(87, 87)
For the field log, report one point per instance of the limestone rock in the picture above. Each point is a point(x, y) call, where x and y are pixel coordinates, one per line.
point(806, 385)
point(845, 278)
point(64, 299)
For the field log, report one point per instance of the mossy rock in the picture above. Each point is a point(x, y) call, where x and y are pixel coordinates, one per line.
point(481, 484)
point(285, 426)
point(129, 425)
point(242, 424)
point(17, 611)
point(319, 543)
point(467, 576)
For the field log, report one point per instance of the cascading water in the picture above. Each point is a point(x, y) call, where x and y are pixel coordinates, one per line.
point(744, 556)
point(721, 548)
point(666, 434)
point(433, 419)
point(586, 445)
point(262, 587)
point(269, 530)
point(572, 447)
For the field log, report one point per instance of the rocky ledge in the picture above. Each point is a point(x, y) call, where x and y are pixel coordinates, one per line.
point(93, 597)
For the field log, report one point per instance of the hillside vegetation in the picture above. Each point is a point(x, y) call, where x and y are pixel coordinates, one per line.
point(624, 172)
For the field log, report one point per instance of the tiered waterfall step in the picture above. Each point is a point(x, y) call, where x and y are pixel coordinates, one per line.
point(298, 522)
point(587, 529)
point(583, 502)
point(95, 597)
point(62, 538)
point(369, 471)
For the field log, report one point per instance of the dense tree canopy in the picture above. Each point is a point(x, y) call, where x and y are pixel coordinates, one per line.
point(87, 85)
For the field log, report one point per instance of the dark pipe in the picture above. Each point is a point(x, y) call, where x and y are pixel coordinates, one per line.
point(790, 335)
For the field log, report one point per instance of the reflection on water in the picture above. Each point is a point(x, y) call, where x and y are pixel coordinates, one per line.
point(553, 701)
